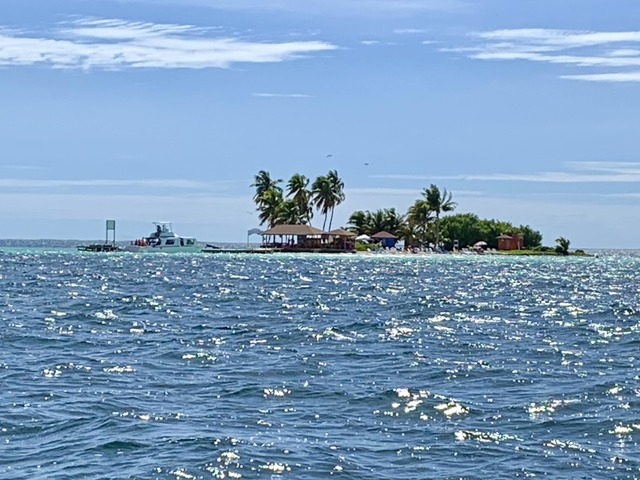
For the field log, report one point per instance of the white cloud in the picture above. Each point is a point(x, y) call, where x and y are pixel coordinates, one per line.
point(606, 77)
point(378, 42)
point(281, 95)
point(118, 44)
point(624, 52)
point(562, 47)
point(408, 31)
point(558, 39)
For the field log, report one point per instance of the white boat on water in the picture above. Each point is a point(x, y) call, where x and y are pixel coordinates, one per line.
point(163, 240)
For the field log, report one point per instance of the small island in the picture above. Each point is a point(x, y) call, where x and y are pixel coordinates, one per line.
point(428, 226)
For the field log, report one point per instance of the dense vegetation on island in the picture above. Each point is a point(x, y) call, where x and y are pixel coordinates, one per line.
point(424, 223)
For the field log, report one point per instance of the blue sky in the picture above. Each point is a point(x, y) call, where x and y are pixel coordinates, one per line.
point(142, 110)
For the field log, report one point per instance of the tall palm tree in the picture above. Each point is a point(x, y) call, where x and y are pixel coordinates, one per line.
point(270, 205)
point(337, 190)
point(322, 195)
point(438, 202)
point(263, 182)
point(298, 190)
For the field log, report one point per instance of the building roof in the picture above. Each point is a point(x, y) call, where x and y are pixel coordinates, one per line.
point(341, 232)
point(504, 236)
point(293, 230)
point(382, 235)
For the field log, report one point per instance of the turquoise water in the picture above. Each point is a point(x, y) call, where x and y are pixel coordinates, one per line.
point(305, 367)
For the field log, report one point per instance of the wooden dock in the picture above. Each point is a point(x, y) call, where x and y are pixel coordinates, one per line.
point(209, 249)
point(213, 249)
point(99, 247)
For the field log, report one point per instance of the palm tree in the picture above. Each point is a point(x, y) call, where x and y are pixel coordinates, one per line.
point(270, 205)
point(410, 233)
point(298, 190)
point(359, 222)
point(419, 216)
point(263, 182)
point(563, 246)
point(322, 195)
point(337, 190)
point(438, 202)
point(289, 213)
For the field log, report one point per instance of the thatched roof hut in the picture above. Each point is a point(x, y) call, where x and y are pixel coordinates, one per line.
point(283, 230)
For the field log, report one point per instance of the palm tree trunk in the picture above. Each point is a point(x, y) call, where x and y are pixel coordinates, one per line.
point(331, 219)
point(437, 231)
point(324, 224)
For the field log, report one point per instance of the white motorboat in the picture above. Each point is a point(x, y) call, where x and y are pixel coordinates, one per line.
point(163, 240)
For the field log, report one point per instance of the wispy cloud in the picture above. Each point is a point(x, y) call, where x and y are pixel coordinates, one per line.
point(606, 77)
point(587, 49)
point(21, 167)
point(281, 95)
point(118, 44)
point(408, 31)
point(580, 172)
point(378, 42)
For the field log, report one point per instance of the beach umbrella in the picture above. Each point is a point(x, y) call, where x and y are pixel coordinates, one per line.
point(363, 238)
point(480, 244)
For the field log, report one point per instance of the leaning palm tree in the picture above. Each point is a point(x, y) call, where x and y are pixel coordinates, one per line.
point(563, 246)
point(263, 182)
point(337, 191)
point(438, 202)
point(298, 190)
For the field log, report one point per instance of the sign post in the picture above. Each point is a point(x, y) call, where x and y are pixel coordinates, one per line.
point(111, 226)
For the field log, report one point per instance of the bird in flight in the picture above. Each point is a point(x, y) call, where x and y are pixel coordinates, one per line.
point(330, 155)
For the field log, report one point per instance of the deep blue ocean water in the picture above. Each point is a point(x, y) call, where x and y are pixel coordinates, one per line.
point(307, 367)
